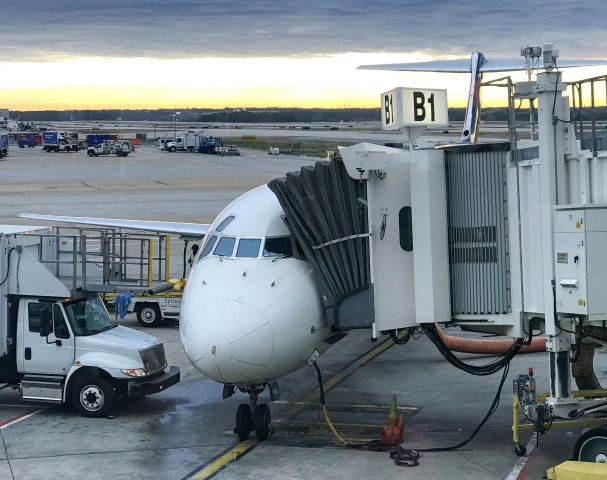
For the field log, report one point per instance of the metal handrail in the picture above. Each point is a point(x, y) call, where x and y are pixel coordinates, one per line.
point(108, 248)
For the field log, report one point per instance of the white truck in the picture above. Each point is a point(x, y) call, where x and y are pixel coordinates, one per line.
point(152, 309)
point(53, 141)
point(183, 142)
point(59, 347)
point(227, 150)
point(167, 144)
point(120, 148)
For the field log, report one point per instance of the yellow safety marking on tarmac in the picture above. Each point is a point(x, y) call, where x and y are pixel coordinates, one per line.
point(232, 454)
point(223, 460)
point(349, 407)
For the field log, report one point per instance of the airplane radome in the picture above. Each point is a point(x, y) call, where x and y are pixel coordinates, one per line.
point(251, 311)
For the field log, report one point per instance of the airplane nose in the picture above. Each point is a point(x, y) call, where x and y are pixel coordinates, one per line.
point(229, 341)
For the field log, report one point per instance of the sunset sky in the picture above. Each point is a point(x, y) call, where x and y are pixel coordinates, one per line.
point(189, 53)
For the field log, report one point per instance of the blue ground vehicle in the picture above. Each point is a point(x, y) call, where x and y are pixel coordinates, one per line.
point(209, 144)
point(58, 142)
point(26, 140)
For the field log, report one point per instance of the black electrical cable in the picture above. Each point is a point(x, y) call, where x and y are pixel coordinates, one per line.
point(487, 369)
point(402, 340)
point(575, 414)
point(8, 266)
point(409, 457)
point(578, 340)
point(492, 409)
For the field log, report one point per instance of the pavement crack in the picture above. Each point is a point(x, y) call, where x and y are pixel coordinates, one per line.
point(90, 186)
point(8, 460)
point(106, 452)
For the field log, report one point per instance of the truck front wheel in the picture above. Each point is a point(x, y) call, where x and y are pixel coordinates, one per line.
point(90, 153)
point(93, 396)
point(149, 315)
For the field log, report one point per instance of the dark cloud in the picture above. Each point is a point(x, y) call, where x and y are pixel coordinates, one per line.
point(34, 30)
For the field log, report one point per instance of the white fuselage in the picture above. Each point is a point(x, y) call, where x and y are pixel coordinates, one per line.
point(254, 313)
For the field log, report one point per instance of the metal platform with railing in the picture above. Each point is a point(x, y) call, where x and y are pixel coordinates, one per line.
point(106, 260)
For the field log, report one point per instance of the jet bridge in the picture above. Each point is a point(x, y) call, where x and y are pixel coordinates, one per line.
point(503, 237)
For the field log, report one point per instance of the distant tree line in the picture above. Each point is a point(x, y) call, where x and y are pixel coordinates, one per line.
point(262, 115)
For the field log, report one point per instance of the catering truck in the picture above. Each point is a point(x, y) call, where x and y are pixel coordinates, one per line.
point(3, 144)
point(58, 142)
point(183, 142)
point(59, 345)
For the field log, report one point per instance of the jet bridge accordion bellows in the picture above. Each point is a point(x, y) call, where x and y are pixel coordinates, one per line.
point(477, 216)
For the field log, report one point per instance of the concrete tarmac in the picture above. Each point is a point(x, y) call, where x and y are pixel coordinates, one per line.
point(176, 433)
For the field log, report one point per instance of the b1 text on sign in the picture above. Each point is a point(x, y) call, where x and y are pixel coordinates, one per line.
point(411, 107)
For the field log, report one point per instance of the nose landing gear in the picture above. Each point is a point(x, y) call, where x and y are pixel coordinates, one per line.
point(252, 417)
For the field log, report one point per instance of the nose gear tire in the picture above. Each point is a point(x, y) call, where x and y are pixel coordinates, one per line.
point(262, 422)
point(244, 421)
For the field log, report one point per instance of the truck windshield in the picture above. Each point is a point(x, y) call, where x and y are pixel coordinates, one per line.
point(88, 316)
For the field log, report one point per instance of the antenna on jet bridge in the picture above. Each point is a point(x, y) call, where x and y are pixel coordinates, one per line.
point(532, 57)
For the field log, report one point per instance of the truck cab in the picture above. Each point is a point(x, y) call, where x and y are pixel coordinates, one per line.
point(168, 144)
point(69, 351)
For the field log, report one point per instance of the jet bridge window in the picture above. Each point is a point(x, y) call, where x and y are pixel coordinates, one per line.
point(225, 247)
point(278, 247)
point(248, 247)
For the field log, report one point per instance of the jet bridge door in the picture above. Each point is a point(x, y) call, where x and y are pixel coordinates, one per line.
point(477, 220)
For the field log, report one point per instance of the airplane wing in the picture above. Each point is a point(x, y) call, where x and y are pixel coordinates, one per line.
point(462, 65)
point(185, 229)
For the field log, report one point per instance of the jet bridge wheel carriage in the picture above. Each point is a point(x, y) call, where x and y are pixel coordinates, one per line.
point(592, 446)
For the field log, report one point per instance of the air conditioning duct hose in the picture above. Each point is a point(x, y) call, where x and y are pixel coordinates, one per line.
point(488, 347)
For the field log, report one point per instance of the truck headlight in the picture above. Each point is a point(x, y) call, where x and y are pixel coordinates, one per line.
point(134, 372)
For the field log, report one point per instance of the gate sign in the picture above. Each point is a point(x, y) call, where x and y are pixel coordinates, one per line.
point(413, 107)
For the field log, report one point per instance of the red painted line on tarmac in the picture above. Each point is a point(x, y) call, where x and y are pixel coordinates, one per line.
point(522, 475)
point(19, 418)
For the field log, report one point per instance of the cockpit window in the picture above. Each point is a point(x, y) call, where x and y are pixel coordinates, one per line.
point(248, 247)
point(278, 247)
point(208, 246)
point(225, 247)
point(225, 222)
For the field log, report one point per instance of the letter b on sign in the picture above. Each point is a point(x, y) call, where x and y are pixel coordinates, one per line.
point(419, 111)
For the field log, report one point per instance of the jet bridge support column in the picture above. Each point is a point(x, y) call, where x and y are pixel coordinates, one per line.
point(552, 192)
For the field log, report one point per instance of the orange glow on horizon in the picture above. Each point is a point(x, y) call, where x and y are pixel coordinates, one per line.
point(145, 83)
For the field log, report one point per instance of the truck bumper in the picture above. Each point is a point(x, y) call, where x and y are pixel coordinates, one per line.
point(139, 388)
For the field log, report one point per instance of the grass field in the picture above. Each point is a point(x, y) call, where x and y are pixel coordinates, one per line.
point(310, 147)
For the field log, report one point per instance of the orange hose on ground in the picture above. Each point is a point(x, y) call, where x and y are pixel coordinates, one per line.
point(488, 347)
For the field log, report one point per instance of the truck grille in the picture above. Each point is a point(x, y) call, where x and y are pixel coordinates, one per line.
point(153, 358)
